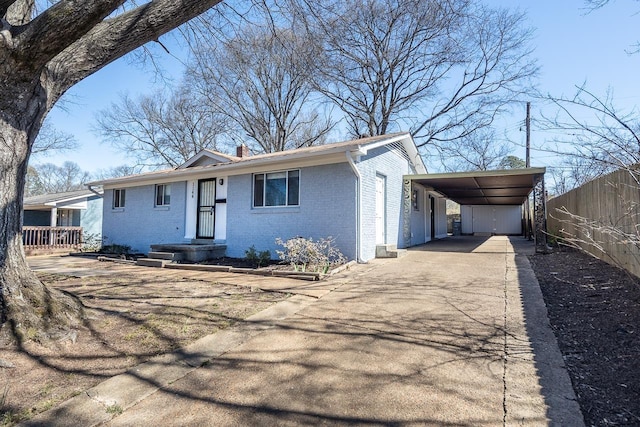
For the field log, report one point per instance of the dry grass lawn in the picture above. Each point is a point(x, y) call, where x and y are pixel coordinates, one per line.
point(132, 314)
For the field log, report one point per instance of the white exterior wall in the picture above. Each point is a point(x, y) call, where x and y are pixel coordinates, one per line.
point(466, 219)
point(327, 208)
point(441, 217)
point(491, 219)
point(381, 162)
point(420, 217)
point(140, 223)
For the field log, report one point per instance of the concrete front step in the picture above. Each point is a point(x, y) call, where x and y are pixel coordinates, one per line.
point(398, 253)
point(208, 242)
point(170, 256)
point(192, 252)
point(389, 251)
point(150, 262)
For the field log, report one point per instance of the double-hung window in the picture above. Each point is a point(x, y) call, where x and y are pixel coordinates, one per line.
point(163, 195)
point(118, 198)
point(276, 189)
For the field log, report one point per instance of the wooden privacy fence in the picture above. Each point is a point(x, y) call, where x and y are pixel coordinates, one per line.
point(602, 217)
point(51, 237)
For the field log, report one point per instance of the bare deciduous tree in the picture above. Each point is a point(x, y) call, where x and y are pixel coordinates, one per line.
point(51, 140)
point(574, 171)
point(43, 53)
point(442, 69)
point(117, 171)
point(593, 5)
point(49, 178)
point(261, 80)
point(478, 151)
point(593, 136)
point(165, 128)
point(596, 139)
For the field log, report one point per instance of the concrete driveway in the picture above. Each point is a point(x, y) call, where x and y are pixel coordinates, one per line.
point(454, 333)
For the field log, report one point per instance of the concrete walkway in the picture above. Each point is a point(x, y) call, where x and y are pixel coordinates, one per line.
point(455, 333)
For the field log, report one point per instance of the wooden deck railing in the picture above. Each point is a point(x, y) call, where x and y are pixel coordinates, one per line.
point(51, 237)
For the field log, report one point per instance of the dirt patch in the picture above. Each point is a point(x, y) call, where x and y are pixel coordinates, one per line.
point(245, 263)
point(131, 316)
point(594, 310)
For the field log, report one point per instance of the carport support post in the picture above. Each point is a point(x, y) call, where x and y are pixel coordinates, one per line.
point(540, 215)
point(406, 212)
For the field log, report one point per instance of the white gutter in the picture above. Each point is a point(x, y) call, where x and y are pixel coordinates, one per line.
point(96, 192)
point(230, 168)
point(356, 172)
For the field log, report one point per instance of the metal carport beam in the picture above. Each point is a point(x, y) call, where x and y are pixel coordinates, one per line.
point(516, 183)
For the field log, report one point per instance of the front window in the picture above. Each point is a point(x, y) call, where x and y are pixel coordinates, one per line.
point(163, 195)
point(65, 218)
point(118, 198)
point(276, 188)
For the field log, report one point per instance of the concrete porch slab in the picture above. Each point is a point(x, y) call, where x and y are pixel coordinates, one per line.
point(192, 253)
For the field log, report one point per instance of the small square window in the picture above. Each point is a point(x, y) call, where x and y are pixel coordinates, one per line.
point(118, 198)
point(163, 195)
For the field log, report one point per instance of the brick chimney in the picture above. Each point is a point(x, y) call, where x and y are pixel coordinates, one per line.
point(242, 151)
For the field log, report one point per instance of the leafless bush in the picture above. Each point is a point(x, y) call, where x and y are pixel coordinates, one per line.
point(305, 254)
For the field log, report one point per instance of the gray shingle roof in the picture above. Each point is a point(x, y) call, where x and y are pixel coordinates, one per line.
point(56, 197)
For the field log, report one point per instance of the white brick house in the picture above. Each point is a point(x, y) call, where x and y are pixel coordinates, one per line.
point(352, 191)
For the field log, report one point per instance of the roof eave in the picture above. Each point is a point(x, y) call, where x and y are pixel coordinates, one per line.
point(250, 164)
point(233, 168)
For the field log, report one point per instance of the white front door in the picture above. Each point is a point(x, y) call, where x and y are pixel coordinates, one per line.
point(381, 197)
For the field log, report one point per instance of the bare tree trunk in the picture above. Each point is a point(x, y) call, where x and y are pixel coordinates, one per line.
point(42, 54)
point(28, 309)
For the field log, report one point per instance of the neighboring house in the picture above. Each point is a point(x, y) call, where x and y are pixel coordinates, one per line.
point(351, 191)
point(71, 214)
point(81, 208)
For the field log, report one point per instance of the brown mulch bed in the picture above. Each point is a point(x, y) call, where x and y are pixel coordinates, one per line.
point(244, 263)
point(594, 310)
point(131, 316)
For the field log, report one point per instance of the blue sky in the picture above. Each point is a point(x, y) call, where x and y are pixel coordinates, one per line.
point(572, 47)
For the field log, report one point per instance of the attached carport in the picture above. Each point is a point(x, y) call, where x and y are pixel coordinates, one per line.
point(495, 190)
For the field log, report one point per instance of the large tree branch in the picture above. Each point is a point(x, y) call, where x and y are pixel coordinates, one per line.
point(4, 6)
point(118, 36)
point(58, 27)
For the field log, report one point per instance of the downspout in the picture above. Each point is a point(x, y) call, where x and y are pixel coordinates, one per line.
point(356, 172)
point(90, 187)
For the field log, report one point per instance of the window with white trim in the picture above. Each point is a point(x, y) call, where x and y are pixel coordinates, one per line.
point(118, 198)
point(163, 195)
point(276, 189)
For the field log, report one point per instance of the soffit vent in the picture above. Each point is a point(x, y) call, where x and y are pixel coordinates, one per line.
point(398, 148)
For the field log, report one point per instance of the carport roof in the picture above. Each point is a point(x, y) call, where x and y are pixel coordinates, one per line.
point(497, 187)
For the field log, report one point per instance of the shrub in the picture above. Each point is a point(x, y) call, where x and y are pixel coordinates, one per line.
point(257, 258)
point(555, 239)
point(305, 254)
point(91, 242)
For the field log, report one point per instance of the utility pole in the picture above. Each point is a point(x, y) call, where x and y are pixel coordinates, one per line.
point(528, 126)
point(528, 226)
